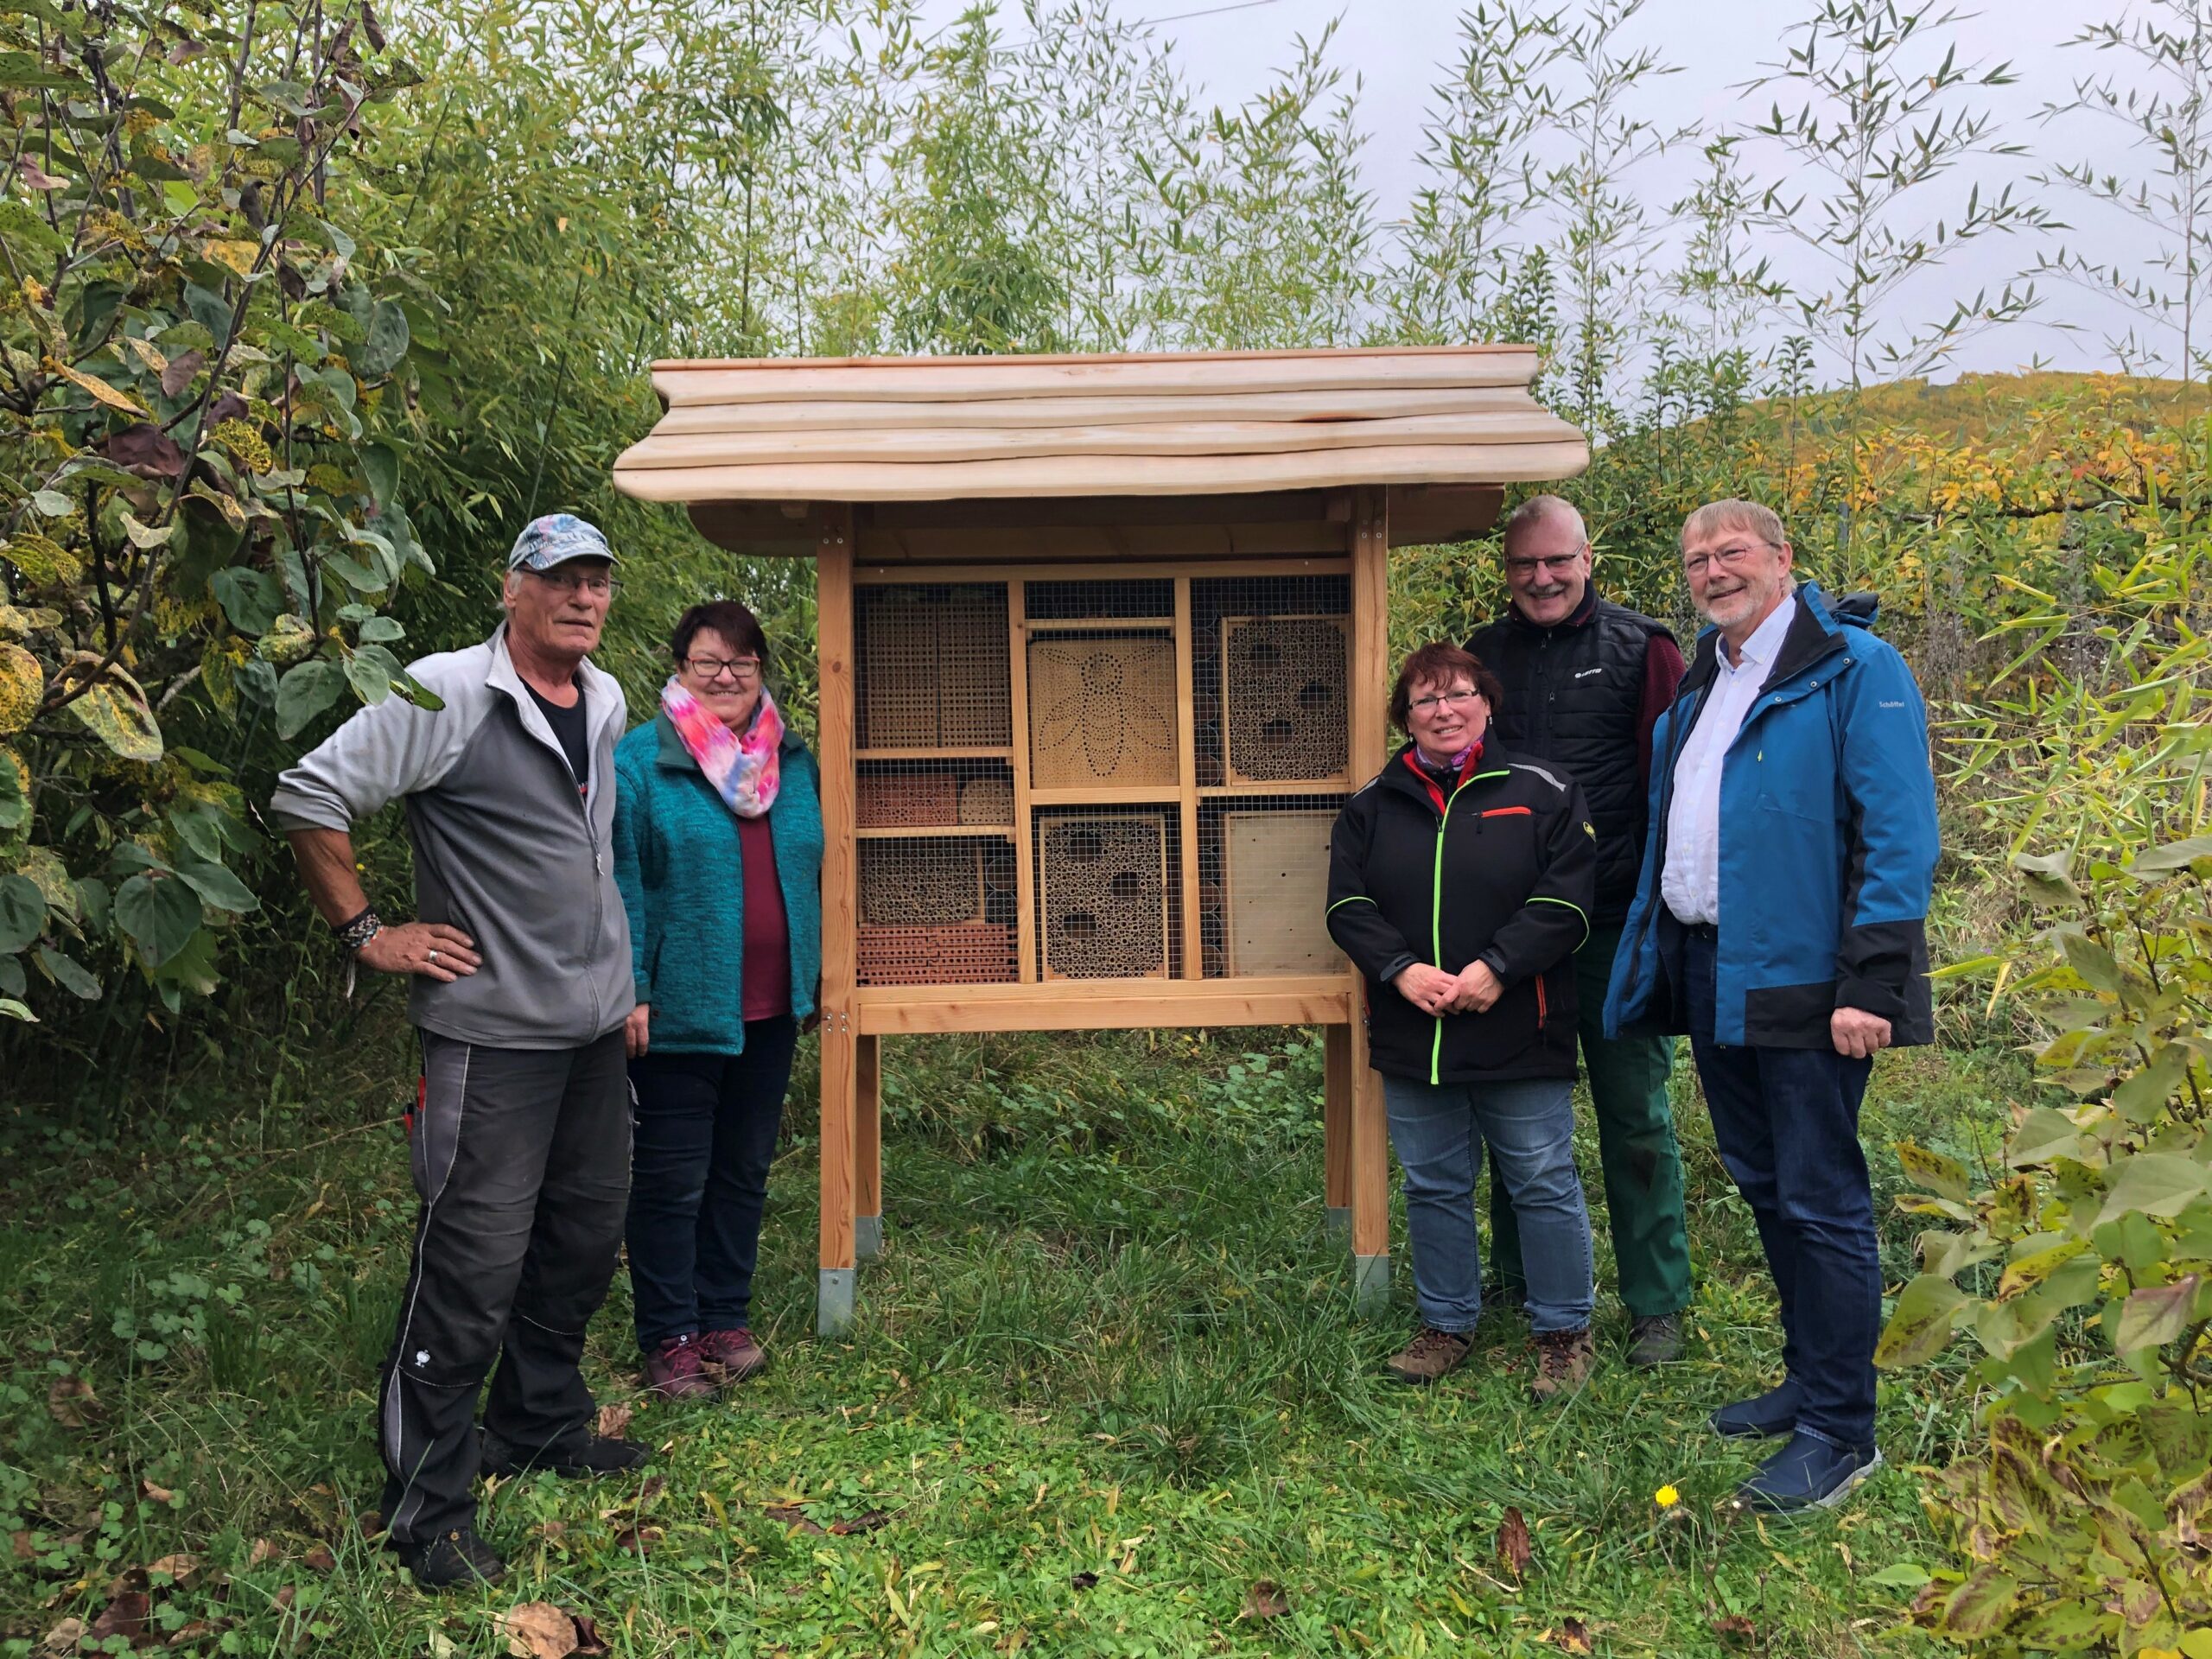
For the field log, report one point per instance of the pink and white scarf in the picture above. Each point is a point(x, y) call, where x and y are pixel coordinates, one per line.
point(743, 770)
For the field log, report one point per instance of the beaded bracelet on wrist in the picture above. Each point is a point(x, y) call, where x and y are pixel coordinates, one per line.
point(359, 931)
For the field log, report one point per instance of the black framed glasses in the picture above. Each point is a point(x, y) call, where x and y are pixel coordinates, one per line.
point(740, 668)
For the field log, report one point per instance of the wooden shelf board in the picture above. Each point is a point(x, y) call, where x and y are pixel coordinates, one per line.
point(1288, 786)
point(1109, 624)
point(1109, 794)
point(953, 751)
point(909, 831)
point(1108, 1005)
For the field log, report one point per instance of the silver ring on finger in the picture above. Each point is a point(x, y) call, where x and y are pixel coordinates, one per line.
point(434, 956)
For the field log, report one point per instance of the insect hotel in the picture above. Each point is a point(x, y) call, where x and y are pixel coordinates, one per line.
point(1102, 649)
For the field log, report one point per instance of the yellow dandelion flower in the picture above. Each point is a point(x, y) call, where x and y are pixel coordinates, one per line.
point(1666, 1498)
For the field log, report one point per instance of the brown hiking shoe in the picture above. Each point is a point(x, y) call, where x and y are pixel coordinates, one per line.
point(1563, 1362)
point(734, 1352)
point(1429, 1356)
point(675, 1371)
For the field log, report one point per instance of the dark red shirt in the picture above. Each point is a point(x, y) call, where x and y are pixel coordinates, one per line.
point(766, 992)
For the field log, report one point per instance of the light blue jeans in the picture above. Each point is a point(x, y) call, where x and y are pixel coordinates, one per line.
point(1437, 1131)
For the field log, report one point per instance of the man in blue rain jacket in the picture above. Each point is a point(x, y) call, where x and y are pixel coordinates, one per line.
point(1780, 921)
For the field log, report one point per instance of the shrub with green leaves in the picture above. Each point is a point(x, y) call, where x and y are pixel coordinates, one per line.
point(194, 359)
point(2081, 1263)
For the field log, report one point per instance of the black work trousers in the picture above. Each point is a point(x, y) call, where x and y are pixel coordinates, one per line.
point(521, 1159)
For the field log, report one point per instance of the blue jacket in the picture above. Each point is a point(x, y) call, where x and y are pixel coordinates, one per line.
point(677, 863)
point(1827, 846)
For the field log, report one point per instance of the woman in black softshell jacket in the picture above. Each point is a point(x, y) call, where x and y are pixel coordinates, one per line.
point(1460, 881)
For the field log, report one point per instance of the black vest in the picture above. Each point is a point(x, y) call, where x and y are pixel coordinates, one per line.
point(1572, 694)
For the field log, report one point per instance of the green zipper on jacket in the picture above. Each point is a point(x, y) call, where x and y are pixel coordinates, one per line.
point(1436, 915)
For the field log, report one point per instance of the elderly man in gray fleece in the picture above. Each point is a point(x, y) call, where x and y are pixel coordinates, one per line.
point(520, 955)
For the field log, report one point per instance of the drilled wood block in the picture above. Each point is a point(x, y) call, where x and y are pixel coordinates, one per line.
point(975, 699)
point(987, 800)
point(1285, 687)
point(1278, 865)
point(1101, 710)
point(896, 689)
point(1102, 896)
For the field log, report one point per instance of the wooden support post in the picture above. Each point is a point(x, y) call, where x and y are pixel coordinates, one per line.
point(1025, 833)
point(1335, 1128)
point(1186, 770)
point(833, 558)
point(1368, 1151)
point(868, 1148)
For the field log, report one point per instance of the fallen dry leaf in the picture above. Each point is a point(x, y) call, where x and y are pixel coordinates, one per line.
point(70, 1401)
point(868, 1522)
point(181, 371)
point(538, 1630)
point(589, 1642)
point(371, 1524)
point(159, 1494)
point(63, 1640)
point(655, 1484)
point(20, 1543)
point(791, 1516)
point(638, 1541)
point(1265, 1600)
point(186, 1635)
point(263, 1550)
point(321, 1558)
point(179, 1566)
point(1514, 1551)
point(1081, 1580)
point(1735, 1627)
point(613, 1419)
point(1572, 1637)
point(124, 1617)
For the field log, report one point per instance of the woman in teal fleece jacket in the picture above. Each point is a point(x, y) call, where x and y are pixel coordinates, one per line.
point(718, 855)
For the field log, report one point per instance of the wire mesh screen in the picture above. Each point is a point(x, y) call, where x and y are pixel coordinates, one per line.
point(1108, 893)
point(1270, 662)
point(938, 910)
point(1060, 601)
point(931, 661)
point(935, 794)
point(1263, 878)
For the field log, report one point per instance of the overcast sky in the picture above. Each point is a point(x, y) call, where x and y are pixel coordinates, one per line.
point(1229, 51)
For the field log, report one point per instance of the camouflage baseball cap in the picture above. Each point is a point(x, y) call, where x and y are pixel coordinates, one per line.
point(554, 539)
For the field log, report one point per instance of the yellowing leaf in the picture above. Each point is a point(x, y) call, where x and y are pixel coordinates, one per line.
point(102, 392)
point(115, 712)
point(238, 255)
point(22, 683)
point(43, 561)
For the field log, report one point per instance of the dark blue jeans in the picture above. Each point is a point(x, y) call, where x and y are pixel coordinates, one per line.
point(1786, 1123)
point(706, 1134)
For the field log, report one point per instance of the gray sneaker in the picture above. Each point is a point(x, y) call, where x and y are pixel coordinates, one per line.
point(1657, 1341)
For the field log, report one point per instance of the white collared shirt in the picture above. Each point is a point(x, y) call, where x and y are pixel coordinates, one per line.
point(1690, 880)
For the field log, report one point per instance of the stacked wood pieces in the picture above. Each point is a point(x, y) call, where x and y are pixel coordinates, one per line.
point(1103, 895)
point(1285, 685)
point(909, 798)
point(987, 800)
point(939, 428)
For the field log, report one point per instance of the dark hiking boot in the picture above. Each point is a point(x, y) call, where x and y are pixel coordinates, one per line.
point(579, 1457)
point(1564, 1359)
point(458, 1559)
point(1808, 1474)
point(1655, 1340)
point(734, 1353)
point(677, 1370)
point(1760, 1418)
point(1431, 1355)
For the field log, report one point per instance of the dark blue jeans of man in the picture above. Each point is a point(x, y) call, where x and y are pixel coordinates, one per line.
point(1786, 1123)
point(706, 1134)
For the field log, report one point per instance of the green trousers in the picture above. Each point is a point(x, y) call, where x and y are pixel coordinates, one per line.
point(1636, 1146)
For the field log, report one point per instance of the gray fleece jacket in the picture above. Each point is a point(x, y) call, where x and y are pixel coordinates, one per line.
point(506, 848)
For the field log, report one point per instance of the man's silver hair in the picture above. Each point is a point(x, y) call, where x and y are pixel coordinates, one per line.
point(1545, 509)
point(1763, 522)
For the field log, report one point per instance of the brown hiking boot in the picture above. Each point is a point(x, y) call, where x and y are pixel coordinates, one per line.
point(1429, 1356)
point(1563, 1362)
point(675, 1371)
point(734, 1352)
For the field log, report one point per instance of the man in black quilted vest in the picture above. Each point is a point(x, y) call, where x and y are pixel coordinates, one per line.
point(1586, 680)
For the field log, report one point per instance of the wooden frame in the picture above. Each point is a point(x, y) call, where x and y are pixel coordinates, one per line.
point(1012, 471)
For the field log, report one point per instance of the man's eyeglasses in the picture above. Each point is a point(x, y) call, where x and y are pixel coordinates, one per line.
point(1557, 564)
point(713, 668)
point(570, 581)
point(1732, 556)
point(1445, 700)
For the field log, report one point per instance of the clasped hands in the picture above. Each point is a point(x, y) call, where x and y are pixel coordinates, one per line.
point(1434, 991)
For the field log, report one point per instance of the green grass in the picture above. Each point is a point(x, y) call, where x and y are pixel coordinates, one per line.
point(1105, 1379)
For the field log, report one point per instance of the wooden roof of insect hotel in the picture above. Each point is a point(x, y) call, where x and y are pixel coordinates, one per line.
point(790, 430)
